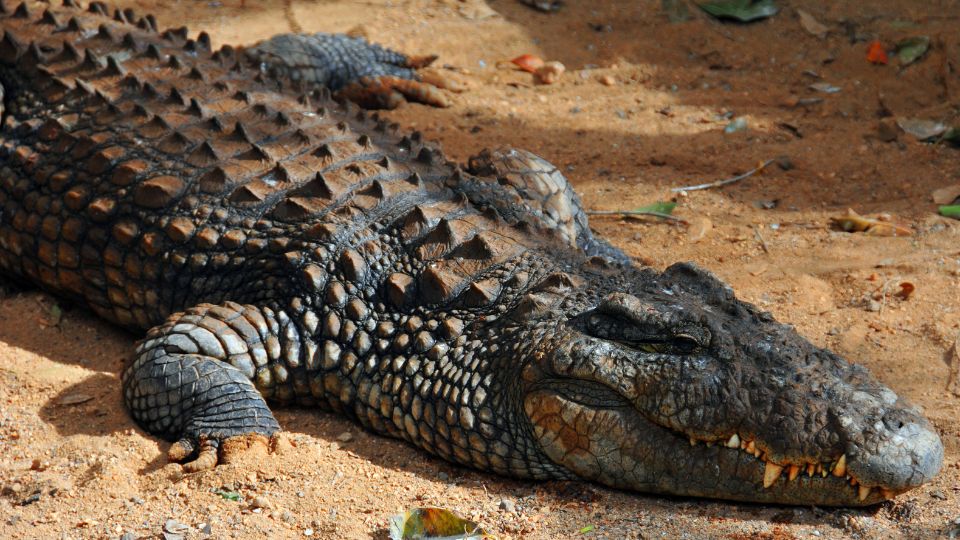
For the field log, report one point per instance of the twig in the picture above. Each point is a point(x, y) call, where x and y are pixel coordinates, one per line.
point(660, 215)
point(719, 183)
point(952, 359)
point(763, 243)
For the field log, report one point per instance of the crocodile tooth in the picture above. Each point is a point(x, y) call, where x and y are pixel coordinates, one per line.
point(811, 468)
point(770, 473)
point(853, 481)
point(863, 492)
point(793, 472)
point(734, 441)
point(886, 493)
point(751, 448)
point(840, 469)
point(693, 442)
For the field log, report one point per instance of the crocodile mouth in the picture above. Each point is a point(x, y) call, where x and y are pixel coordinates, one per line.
point(786, 471)
point(594, 432)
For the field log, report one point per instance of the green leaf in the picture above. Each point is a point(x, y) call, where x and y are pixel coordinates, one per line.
point(433, 524)
point(56, 315)
point(661, 207)
point(952, 211)
point(741, 10)
point(228, 495)
point(676, 10)
point(911, 49)
point(588, 528)
point(952, 136)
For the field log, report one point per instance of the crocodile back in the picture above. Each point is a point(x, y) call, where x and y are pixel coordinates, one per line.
point(144, 173)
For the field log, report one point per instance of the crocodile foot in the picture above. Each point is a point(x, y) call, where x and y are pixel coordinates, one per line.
point(370, 75)
point(206, 452)
point(191, 383)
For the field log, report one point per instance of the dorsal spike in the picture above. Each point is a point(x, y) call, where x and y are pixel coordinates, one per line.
point(105, 32)
point(90, 60)
point(130, 15)
point(129, 42)
point(70, 4)
point(153, 52)
point(21, 12)
point(365, 141)
point(317, 187)
point(49, 18)
point(191, 46)
point(150, 91)
point(281, 119)
point(113, 67)
point(196, 74)
point(119, 16)
point(152, 22)
point(215, 124)
point(69, 53)
point(240, 133)
point(139, 111)
point(204, 41)
point(242, 96)
point(203, 155)
point(98, 8)
point(415, 179)
point(175, 62)
point(33, 56)
point(73, 25)
point(176, 97)
point(324, 151)
point(384, 162)
point(195, 109)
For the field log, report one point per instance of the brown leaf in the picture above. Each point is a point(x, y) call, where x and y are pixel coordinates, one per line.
point(906, 289)
point(812, 25)
point(854, 222)
point(946, 195)
point(528, 62)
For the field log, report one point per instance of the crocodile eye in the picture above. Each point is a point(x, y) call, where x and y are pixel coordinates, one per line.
point(684, 344)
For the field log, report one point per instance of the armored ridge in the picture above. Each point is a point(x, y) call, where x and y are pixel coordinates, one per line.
point(307, 252)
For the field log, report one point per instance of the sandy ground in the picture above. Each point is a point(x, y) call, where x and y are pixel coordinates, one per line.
point(73, 465)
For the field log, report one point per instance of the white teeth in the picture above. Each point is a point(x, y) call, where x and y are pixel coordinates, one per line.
point(840, 469)
point(771, 473)
point(811, 468)
point(734, 441)
point(751, 447)
point(863, 492)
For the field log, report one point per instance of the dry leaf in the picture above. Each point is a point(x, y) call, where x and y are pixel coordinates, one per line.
point(699, 228)
point(854, 222)
point(906, 289)
point(812, 25)
point(952, 359)
point(528, 62)
point(946, 195)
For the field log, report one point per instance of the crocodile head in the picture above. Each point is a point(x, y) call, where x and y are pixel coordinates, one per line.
point(667, 383)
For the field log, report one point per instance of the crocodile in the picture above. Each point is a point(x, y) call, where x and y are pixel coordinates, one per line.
point(280, 245)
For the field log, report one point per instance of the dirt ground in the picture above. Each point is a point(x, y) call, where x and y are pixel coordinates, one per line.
point(641, 109)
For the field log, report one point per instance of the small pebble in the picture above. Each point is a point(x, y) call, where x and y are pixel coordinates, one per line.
point(128, 536)
point(607, 80)
point(259, 502)
point(308, 532)
point(550, 72)
point(346, 436)
point(443, 476)
point(508, 505)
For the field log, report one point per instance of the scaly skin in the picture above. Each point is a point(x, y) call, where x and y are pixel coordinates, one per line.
point(294, 249)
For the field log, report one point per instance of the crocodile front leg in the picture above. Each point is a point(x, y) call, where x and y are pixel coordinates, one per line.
point(365, 73)
point(192, 380)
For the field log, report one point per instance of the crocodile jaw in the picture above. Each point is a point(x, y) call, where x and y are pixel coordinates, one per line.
point(623, 449)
